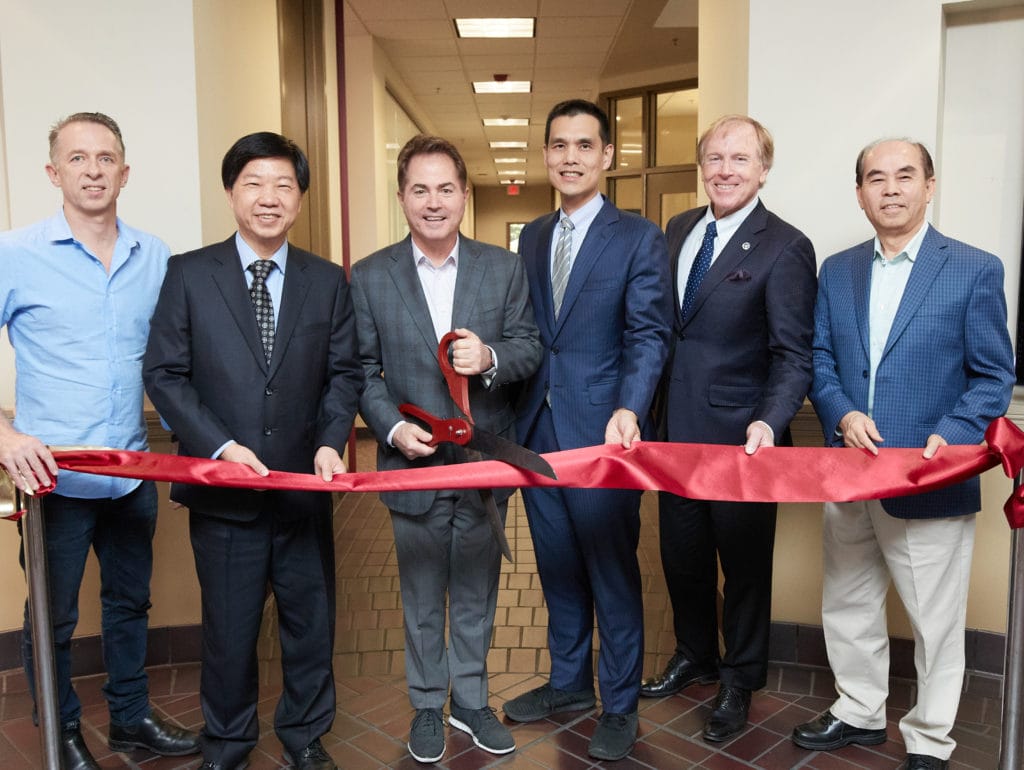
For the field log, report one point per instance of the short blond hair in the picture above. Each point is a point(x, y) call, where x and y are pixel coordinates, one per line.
point(765, 143)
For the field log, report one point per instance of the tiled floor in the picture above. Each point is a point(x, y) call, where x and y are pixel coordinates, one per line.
point(374, 713)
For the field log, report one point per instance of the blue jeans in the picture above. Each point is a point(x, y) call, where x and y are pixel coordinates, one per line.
point(121, 532)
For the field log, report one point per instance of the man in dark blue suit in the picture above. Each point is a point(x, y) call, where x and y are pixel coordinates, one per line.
point(600, 290)
point(910, 347)
point(739, 370)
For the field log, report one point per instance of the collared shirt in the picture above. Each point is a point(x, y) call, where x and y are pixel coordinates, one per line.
point(275, 278)
point(79, 334)
point(888, 280)
point(438, 284)
point(726, 229)
point(581, 219)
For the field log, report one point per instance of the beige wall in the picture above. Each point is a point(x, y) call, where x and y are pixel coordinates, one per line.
point(236, 92)
point(495, 208)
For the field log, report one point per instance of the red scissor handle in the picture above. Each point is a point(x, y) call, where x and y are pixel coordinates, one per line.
point(458, 385)
point(455, 430)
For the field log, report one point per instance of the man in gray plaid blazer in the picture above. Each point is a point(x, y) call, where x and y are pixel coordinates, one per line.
point(910, 348)
point(407, 296)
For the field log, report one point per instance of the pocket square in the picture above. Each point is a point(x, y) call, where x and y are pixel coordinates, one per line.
point(738, 275)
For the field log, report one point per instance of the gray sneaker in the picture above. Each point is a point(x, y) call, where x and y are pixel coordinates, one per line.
point(614, 736)
point(488, 733)
point(546, 700)
point(426, 735)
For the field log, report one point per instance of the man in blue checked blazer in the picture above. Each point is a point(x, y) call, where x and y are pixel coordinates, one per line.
point(910, 349)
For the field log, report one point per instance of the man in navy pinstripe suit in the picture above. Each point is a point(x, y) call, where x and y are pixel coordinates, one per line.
point(910, 348)
point(604, 328)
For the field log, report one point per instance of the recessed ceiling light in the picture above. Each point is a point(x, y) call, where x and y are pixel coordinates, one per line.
point(501, 86)
point(506, 121)
point(508, 145)
point(495, 27)
point(512, 181)
point(511, 171)
point(510, 160)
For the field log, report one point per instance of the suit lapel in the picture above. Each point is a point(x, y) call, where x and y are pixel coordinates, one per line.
point(741, 246)
point(545, 232)
point(598, 235)
point(293, 299)
point(468, 281)
point(687, 222)
point(403, 272)
point(930, 259)
point(860, 281)
point(228, 277)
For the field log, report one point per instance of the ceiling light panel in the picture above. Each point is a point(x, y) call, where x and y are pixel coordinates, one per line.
point(506, 121)
point(496, 27)
point(501, 86)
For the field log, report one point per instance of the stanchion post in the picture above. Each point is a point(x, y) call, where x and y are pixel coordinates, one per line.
point(42, 632)
point(1011, 741)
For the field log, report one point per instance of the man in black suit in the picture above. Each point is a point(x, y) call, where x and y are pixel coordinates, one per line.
point(252, 359)
point(739, 370)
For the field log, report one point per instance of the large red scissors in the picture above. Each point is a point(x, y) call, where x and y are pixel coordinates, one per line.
point(476, 441)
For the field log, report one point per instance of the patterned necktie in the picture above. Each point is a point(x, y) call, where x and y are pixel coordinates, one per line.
point(700, 268)
point(262, 303)
point(560, 264)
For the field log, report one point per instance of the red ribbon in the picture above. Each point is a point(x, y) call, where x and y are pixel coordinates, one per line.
point(700, 471)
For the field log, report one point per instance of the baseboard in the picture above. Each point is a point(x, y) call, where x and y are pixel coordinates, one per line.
point(166, 645)
point(805, 646)
point(791, 643)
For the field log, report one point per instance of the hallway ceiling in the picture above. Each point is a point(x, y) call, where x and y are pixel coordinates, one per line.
point(577, 43)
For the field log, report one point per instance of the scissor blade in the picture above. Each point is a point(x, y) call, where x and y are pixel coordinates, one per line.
point(493, 517)
point(497, 525)
point(510, 452)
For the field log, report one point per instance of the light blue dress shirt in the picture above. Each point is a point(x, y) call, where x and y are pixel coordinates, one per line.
point(581, 218)
point(888, 281)
point(79, 334)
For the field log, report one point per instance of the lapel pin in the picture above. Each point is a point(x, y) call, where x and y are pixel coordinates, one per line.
point(745, 246)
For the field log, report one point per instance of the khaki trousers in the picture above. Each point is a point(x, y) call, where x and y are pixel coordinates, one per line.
point(929, 561)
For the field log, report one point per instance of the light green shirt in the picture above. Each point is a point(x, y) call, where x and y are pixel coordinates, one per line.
point(888, 281)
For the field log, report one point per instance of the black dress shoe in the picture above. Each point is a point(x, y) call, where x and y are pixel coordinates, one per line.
point(313, 757)
point(924, 762)
point(679, 673)
point(156, 735)
point(827, 733)
point(209, 765)
point(729, 716)
point(73, 749)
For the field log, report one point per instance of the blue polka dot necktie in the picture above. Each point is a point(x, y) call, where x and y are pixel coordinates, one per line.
point(700, 268)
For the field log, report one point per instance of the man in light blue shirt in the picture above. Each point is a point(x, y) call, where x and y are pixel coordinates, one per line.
point(76, 293)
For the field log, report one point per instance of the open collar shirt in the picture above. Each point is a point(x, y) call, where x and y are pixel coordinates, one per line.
point(79, 334)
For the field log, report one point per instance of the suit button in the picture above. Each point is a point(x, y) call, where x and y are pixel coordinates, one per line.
point(865, 374)
point(267, 431)
point(554, 351)
point(268, 392)
point(681, 335)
